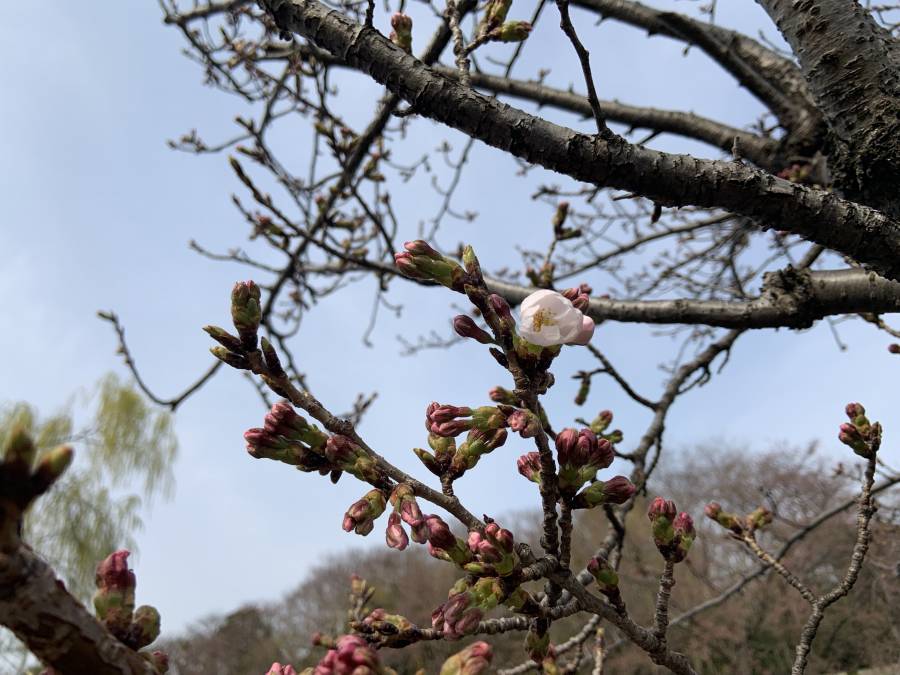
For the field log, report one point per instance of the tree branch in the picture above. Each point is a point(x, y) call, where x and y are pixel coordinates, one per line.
point(673, 180)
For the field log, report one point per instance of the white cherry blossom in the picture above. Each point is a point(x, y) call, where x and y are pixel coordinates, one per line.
point(548, 318)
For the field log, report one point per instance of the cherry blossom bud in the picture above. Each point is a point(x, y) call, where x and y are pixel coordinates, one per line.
point(402, 33)
point(894, 348)
point(729, 521)
point(443, 420)
point(439, 534)
point(278, 669)
point(404, 502)
point(114, 599)
point(224, 338)
point(616, 490)
point(604, 574)
point(245, 312)
point(529, 465)
point(662, 513)
point(759, 518)
point(502, 310)
point(144, 627)
point(351, 654)
point(512, 31)
point(466, 327)
point(230, 358)
point(549, 319)
point(684, 535)
point(362, 514)
point(472, 660)
point(524, 422)
point(420, 261)
point(854, 410)
point(395, 535)
point(566, 441)
point(602, 421)
point(505, 396)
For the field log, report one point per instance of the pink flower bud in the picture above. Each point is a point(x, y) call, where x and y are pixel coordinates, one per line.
point(502, 310)
point(395, 535)
point(524, 422)
point(439, 534)
point(466, 327)
point(407, 266)
point(417, 247)
point(529, 465)
point(854, 410)
point(683, 524)
point(566, 441)
point(278, 669)
point(662, 508)
point(618, 490)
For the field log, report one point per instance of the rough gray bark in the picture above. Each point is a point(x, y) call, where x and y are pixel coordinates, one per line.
point(852, 66)
point(860, 232)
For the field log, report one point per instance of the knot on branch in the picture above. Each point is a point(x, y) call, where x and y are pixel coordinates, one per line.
point(790, 290)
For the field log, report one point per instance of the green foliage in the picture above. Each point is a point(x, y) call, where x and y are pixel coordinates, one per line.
point(124, 455)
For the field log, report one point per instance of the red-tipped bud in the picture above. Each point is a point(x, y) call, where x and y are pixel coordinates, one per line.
point(472, 660)
point(395, 535)
point(529, 465)
point(466, 327)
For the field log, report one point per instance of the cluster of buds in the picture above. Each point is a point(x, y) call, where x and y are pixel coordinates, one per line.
point(114, 605)
point(549, 319)
point(601, 423)
point(402, 33)
point(450, 420)
point(420, 261)
point(245, 315)
point(466, 606)
point(579, 296)
point(29, 478)
point(392, 630)
point(494, 551)
point(362, 514)
point(581, 454)
point(472, 660)
point(345, 455)
point(351, 654)
point(406, 510)
point(673, 532)
point(861, 435)
point(738, 525)
point(287, 437)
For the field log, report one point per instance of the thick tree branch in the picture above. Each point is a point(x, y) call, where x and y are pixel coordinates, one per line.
point(790, 298)
point(673, 180)
point(853, 68)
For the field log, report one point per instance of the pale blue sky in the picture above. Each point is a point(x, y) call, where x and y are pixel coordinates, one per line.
point(97, 213)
